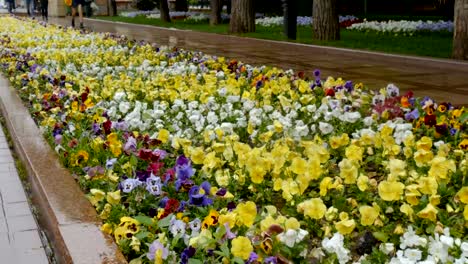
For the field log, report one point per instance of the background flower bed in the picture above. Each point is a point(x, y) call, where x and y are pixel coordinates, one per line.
point(186, 155)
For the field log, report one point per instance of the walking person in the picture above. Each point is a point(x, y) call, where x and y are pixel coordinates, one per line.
point(11, 5)
point(44, 8)
point(77, 4)
point(30, 8)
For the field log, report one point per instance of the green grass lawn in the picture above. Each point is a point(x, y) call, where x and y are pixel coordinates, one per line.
point(433, 45)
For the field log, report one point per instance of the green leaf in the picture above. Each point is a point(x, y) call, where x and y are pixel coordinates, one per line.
point(164, 222)
point(141, 235)
point(143, 219)
point(219, 253)
point(381, 236)
point(463, 118)
point(237, 260)
point(133, 160)
point(220, 232)
point(136, 261)
point(195, 261)
point(225, 249)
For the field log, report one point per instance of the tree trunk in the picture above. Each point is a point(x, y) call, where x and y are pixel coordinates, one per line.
point(290, 18)
point(181, 5)
point(215, 16)
point(242, 16)
point(460, 31)
point(164, 9)
point(325, 22)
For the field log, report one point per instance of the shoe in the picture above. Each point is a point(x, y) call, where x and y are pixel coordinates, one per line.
point(81, 26)
point(73, 22)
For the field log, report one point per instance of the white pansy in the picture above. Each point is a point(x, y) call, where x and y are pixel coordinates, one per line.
point(325, 128)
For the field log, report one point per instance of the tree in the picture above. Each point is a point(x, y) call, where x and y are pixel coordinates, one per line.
point(215, 16)
point(460, 31)
point(290, 18)
point(325, 21)
point(164, 9)
point(242, 16)
point(181, 5)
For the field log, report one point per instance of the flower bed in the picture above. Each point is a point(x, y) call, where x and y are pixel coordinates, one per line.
point(345, 21)
point(404, 27)
point(191, 158)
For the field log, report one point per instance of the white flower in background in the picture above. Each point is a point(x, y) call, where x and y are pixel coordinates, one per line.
point(392, 90)
point(387, 248)
point(413, 255)
point(325, 128)
point(410, 239)
point(336, 245)
point(351, 117)
point(291, 237)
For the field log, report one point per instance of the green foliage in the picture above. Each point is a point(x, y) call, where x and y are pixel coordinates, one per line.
point(432, 45)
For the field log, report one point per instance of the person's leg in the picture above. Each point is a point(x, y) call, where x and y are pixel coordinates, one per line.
point(46, 10)
point(80, 14)
point(73, 11)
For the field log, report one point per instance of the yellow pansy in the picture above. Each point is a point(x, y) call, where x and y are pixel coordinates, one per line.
point(440, 167)
point(422, 157)
point(113, 197)
point(368, 215)
point(429, 212)
point(115, 145)
point(345, 226)
point(325, 185)
point(391, 191)
point(348, 171)
point(397, 168)
point(97, 195)
point(465, 213)
point(163, 135)
point(313, 208)
point(354, 153)
point(106, 228)
point(425, 143)
point(463, 195)
point(241, 247)
point(197, 155)
point(428, 185)
point(407, 210)
point(246, 213)
point(292, 223)
point(362, 183)
point(211, 219)
point(229, 218)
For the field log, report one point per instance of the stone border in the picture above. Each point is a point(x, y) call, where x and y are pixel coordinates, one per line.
point(70, 221)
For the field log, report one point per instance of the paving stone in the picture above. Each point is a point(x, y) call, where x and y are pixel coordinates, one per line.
point(9, 176)
point(37, 256)
point(3, 225)
point(26, 240)
point(17, 209)
point(21, 223)
point(4, 145)
point(4, 243)
point(6, 159)
point(12, 192)
point(6, 167)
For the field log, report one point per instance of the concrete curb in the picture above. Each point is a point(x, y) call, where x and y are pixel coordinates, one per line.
point(69, 220)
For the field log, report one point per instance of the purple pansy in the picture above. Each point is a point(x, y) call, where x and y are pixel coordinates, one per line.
point(129, 184)
point(130, 145)
point(155, 246)
point(198, 195)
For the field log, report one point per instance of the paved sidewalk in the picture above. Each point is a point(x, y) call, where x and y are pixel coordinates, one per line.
point(19, 237)
point(441, 79)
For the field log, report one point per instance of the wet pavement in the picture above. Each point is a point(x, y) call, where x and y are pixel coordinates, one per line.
point(441, 79)
point(20, 242)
